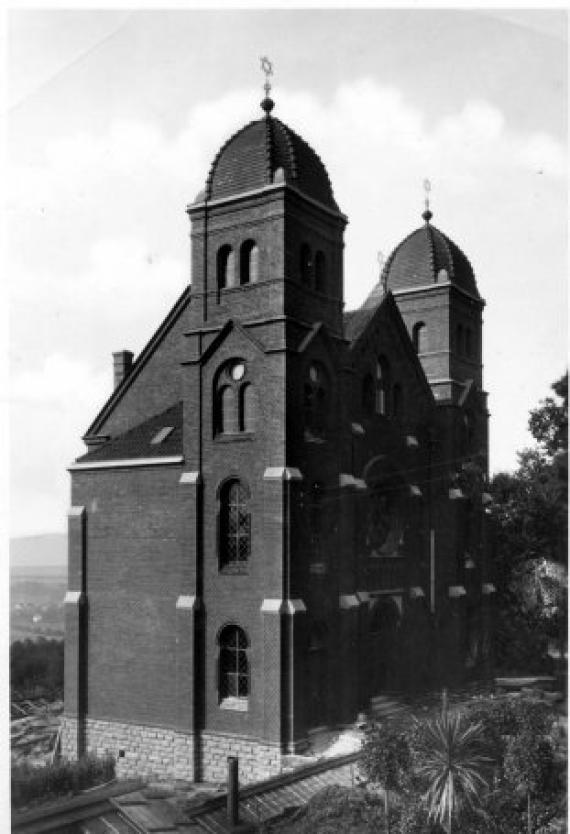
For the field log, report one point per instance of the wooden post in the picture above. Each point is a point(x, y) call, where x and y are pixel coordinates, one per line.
point(233, 791)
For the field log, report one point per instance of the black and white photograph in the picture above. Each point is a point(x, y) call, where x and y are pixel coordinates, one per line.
point(287, 412)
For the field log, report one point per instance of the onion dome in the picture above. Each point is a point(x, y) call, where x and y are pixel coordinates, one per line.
point(425, 257)
point(264, 152)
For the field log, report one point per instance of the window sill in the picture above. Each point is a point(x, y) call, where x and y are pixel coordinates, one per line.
point(313, 438)
point(235, 569)
point(231, 438)
point(235, 704)
point(394, 555)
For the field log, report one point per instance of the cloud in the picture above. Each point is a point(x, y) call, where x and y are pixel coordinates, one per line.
point(50, 408)
point(98, 242)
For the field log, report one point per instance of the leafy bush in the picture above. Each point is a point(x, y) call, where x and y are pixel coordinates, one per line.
point(33, 783)
point(341, 810)
point(503, 718)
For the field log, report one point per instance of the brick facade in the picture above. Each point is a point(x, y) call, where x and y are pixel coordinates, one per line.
point(359, 525)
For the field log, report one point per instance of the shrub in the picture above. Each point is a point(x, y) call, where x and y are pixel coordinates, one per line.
point(386, 759)
point(503, 718)
point(51, 780)
point(336, 810)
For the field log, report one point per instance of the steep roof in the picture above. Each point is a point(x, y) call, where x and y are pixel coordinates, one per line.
point(147, 440)
point(267, 151)
point(356, 321)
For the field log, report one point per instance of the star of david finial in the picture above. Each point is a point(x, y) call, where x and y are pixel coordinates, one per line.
point(267, 68)
point(427, 215)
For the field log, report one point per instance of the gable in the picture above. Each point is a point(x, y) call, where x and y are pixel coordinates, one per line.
point(154, 381)
point(381, 330)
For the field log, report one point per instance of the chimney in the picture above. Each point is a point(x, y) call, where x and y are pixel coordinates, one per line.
point(122, 364)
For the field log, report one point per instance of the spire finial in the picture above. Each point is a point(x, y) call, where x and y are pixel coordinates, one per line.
point(267, 67)
point(427, 215)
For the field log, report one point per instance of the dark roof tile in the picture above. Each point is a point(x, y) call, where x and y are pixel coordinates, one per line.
point(137, 442)
point(251, 157)
point(420, 257)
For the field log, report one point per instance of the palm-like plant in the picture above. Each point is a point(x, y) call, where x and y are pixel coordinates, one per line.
point(451, 764)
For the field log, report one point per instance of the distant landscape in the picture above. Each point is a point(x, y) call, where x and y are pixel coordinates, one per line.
point(38, 580)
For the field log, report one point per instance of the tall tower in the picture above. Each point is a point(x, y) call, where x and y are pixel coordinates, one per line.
point(435, 289)
point(267, 285)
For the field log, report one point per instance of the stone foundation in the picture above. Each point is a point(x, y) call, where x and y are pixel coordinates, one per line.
point(159, 753)
point(257, 760)
point(149, 752)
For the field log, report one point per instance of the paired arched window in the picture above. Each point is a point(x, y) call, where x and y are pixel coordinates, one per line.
point(225, 271)
point(315, 401)
point(234, 526)
point(233, 399)
point(233, 671)
point(320, 272)
point(419, 337)
point(249, 263)
point(305, 263)
point(382, 386)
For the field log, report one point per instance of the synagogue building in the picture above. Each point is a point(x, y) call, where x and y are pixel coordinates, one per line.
point(280, 513)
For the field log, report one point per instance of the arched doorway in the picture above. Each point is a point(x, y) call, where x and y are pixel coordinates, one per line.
point(384, 628)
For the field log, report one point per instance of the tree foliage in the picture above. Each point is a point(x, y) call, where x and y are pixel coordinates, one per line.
point(531, 523)
point(36, 666)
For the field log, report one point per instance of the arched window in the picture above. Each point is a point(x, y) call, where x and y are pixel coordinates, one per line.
point(315, 402)
point(225, 267)
point(233, 673)
point(459, 347)
point(305, 263)
point(224, 410)
point(320, 271)
point(382, 386)
point(368, 395)
point(233, 399)
point(419, 337)
point(384, 615)
point(248, 263)
point(397, 400)
point(246, 410)
point(235, 526)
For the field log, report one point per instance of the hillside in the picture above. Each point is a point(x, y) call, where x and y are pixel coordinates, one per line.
point(43, 552)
